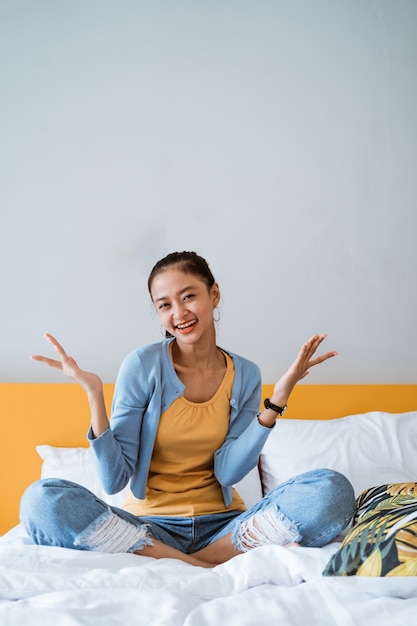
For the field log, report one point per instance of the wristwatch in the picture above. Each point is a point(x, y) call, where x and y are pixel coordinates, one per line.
point(278, 409)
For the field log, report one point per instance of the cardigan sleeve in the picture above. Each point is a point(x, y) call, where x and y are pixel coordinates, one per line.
point(116, 450)
point(246, 436)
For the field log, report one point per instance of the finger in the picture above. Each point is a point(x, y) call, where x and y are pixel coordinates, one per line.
point(309, 347)
point(316, 340)
point(322, 358)
point(47, 361)
point(57, 346)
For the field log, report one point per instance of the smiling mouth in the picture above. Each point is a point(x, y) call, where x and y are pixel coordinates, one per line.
point(186, 325)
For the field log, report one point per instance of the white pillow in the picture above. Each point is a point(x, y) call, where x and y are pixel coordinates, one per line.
point(369, 449)
point(78, 465)
point(250, 487)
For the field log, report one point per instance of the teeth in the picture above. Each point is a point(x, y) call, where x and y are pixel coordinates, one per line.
point(182, 326)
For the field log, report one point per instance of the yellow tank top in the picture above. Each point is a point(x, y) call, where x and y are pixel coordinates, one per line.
point(181, 481)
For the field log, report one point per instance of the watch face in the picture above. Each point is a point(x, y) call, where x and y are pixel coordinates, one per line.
point(268, 405)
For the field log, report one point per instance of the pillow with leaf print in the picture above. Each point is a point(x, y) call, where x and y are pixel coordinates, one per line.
point(383, 539)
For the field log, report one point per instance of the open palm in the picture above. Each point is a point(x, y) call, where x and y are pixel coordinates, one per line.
point(302, 364)
point(89, 381)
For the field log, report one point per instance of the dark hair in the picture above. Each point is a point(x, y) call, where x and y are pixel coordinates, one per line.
point(188, 262)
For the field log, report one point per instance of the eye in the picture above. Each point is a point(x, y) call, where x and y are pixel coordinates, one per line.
point(163, 305)
point(188, 296)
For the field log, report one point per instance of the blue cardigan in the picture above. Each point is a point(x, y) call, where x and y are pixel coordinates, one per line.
point(146, 385)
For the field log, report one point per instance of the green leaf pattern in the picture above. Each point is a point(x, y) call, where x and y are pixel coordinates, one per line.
point(383, 539)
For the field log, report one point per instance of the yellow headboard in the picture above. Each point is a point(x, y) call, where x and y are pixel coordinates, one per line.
point(57, 414)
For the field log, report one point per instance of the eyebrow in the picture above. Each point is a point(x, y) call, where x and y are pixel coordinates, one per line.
point(179, 293)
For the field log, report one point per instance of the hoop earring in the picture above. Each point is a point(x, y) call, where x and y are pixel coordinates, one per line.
point(216, 314)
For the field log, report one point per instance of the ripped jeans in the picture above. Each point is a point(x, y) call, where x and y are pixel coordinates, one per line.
point(310, 509)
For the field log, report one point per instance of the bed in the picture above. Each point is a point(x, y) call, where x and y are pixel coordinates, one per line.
point(369, 432)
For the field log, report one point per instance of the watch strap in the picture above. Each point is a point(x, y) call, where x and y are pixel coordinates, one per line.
point(274, 407)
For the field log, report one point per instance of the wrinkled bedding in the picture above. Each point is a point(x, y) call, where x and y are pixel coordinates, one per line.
point(270, 585)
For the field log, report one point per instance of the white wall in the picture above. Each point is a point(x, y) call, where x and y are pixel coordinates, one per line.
point(276, 138)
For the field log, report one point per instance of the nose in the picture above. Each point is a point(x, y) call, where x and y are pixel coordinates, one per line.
point(178, 310)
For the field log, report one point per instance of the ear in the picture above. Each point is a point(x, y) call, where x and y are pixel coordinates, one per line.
point(215, 294)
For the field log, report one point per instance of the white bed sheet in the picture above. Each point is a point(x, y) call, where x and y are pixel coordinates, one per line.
point(270, 585)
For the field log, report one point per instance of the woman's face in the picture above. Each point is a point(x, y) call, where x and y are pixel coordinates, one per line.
point(184, 304)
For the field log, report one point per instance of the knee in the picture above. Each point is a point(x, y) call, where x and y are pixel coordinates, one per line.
point(36, 497)
point(330, 507)
point(54, 511)
point(339, 491)
point(46, 499)
point(324, 488)
point(335, 506)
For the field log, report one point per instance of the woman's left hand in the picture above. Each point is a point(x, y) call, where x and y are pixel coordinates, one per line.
point(299, 369)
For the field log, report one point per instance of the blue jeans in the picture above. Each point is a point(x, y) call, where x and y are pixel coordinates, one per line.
point(310, 509)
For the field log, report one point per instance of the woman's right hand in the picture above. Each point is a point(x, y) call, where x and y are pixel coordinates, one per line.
point(89, 381)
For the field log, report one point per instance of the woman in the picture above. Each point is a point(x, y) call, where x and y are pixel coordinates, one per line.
point(185, 427)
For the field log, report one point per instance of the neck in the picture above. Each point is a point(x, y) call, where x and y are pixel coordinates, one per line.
point(196, 356)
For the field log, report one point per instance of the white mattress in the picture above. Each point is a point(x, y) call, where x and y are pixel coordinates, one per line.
point(41, 586)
